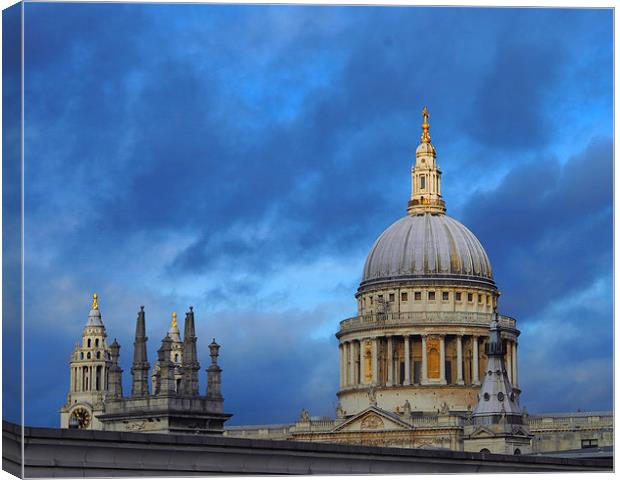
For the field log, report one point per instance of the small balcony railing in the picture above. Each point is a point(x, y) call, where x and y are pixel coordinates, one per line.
point(424, 318)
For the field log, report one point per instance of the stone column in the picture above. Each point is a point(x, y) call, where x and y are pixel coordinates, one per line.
point(362, 363)
point(424, 361)
point(474, 359)
point(407, 361)
point(442, 359)
point(459, 360)
point(375, 362)
point(345, 361)
point(390, 362)
point(351, 363)
point(515, 382)
point(509, 360)
point(341, 360)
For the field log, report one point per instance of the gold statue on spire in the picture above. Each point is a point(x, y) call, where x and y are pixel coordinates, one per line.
point(95, 305)
point(426, 137)
point(174, 319)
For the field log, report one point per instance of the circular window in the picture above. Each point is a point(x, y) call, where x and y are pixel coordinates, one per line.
point(500, 396)
point(487, 397)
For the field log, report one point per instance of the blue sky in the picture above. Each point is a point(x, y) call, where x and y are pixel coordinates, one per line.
point(243, 159)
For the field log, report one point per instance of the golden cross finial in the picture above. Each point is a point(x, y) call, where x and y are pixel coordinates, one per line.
point(174, 319)
point(426, 137)
point(95, 305)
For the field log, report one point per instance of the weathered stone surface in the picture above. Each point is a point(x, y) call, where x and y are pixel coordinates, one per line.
point(72, 453)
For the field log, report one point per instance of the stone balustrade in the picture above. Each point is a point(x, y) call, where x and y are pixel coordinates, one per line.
point(570, 420)
point(476, 319)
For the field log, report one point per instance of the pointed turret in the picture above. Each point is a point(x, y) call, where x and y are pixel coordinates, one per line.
point(496, 424)
point(425, 176)
point(140, 367)
point(191, 367)
point(91, 370)
point(165, 380)
point(497, 400)
point(115, 373)
point(214, 374)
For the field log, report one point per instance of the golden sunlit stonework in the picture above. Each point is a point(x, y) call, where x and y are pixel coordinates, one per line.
point(413, 359)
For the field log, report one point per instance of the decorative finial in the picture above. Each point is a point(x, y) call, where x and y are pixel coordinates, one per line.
point(426, 137)
point(174, 319)
point(95, 306)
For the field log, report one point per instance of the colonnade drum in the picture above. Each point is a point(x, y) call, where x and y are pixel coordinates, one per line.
point(434, 368)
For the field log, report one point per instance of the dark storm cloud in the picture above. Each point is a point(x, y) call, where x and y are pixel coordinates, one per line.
point(548, 227)
point(169, 143)
point(508, 110)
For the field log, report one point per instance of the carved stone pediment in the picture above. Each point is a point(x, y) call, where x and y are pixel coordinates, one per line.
point(372, 422)
point(482, 432)
point(371, 419)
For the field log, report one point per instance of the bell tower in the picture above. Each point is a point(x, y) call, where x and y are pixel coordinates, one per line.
point(425, 176)
point(88, 367)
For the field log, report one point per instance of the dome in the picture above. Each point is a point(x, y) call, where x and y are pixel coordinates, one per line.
point(94, 318)
point(427, 247)
point(425, 149)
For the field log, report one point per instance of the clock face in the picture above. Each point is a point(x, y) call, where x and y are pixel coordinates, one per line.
point(82, 416)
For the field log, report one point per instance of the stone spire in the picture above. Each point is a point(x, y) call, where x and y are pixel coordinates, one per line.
point(496, 424)
point(115, 373)
point(497, 400)
point(214, 374)
point(165, 381)
point(190, 366)
point(140, 367)
point(425, 176)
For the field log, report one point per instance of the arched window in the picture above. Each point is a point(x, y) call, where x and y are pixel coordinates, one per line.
point(88, 355)
point(96, 342)
point(485, 450)
point(517, 451)
point(81, 355)
point(88, 343)
point(176, 357)
point(98, 355)
point(422, 182)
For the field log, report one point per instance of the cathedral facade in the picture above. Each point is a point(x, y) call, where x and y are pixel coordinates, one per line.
point(172, 404)
point(428, 362)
